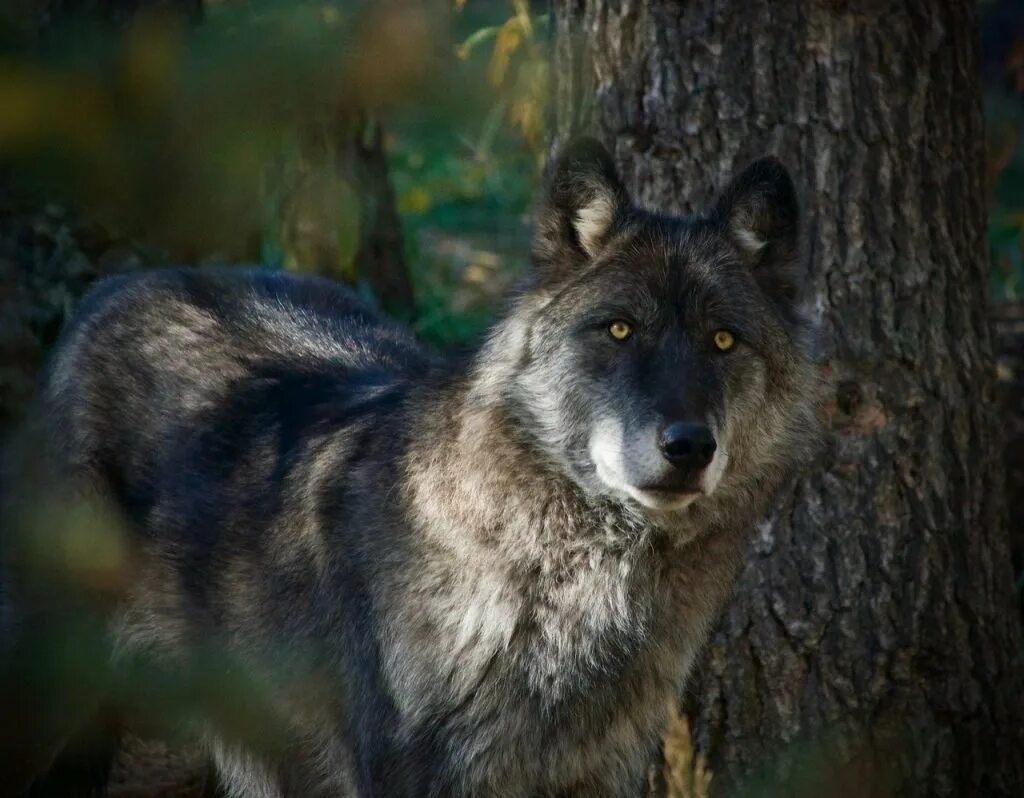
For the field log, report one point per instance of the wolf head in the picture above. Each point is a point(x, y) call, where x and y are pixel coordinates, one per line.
point(654, 358)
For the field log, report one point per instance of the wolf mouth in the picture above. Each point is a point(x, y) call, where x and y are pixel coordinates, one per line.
point(664, 497)
point(670, 491)
point(654, 496)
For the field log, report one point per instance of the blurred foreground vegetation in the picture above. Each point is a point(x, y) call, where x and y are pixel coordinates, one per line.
point(265, 131)
point(230, 138)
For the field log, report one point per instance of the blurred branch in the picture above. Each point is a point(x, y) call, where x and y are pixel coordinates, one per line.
point(380, 260)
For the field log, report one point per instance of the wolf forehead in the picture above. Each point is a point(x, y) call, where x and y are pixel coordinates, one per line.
point(670, 257)
point(664, 271)
point(593, 243)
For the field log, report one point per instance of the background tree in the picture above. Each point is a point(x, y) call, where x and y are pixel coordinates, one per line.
point(873, 644)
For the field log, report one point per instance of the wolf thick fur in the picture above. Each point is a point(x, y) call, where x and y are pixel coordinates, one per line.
point(476, 579)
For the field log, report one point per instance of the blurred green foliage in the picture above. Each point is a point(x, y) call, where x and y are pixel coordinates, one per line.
point(1002, 72)
point(168, 132)
point(1005, 114)
point(228, 140)
point(466, 186)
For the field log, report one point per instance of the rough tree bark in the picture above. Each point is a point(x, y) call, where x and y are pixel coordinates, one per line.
point(873, 645)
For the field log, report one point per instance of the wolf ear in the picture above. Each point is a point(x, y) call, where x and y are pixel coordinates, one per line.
point(759, 212)
point(585, 201)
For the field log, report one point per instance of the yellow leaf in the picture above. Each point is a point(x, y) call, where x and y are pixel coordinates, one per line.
point(415, 200)
point(522, 12)
point(330, 15)
point(509, 37)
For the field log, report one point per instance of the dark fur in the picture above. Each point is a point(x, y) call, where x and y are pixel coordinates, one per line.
point(420, 563)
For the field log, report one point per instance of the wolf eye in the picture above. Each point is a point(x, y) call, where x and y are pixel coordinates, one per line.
point(620, 330)
point(724, 340)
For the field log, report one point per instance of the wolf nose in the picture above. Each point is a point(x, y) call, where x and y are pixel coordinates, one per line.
point(688, 445)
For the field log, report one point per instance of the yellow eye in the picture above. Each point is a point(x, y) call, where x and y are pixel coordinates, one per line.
point(620, 330)
point(724, 340)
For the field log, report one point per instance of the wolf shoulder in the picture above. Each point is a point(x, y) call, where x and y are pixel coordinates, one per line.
point(148, 358)
point(174, 340)
point(213, 318)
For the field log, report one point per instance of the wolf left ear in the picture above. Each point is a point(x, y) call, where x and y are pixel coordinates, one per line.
point(585, 201)
point(759, 212)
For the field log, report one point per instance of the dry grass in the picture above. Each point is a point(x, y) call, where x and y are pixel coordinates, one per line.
point(684, 773)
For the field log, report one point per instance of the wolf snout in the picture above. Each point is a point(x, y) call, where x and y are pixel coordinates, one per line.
point(687, 445)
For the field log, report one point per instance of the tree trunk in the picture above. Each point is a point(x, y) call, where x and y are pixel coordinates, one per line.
point(347, 180)
point(873, 644)
point(380, 259)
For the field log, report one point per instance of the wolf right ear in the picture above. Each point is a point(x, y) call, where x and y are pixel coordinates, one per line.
point(584, 204)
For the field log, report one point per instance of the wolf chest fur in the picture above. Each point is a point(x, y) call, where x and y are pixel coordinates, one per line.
point(478, 578)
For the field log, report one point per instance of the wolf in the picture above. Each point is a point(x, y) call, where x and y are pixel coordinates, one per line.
point(479, 576)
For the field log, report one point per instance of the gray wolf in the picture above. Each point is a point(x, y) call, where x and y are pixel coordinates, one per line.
point(484, 577)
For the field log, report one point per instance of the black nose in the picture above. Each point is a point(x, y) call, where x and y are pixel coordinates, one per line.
point(688, 445)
